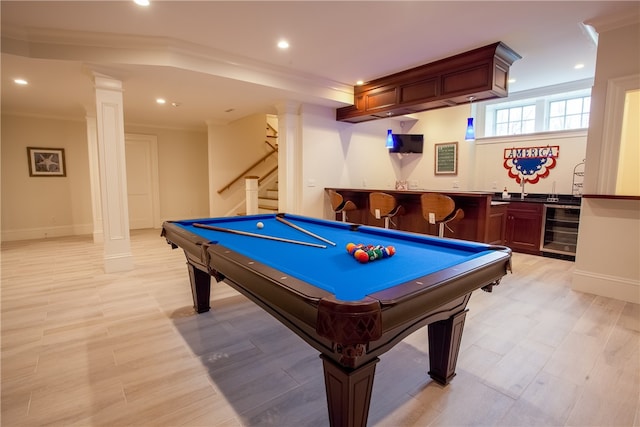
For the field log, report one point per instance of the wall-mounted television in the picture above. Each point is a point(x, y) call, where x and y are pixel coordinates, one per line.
point(405, 143)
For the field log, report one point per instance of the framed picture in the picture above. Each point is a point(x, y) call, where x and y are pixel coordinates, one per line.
point(446, 159)
point(46, 161)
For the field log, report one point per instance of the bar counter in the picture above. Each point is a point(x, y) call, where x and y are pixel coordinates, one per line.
point(483, 221)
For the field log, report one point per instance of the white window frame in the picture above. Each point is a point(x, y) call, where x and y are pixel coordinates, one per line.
point(565, 116)
point(493, 115)
point(484, 111)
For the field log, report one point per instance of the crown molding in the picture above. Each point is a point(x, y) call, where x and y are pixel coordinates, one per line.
point(613, 22)
point(116, 50)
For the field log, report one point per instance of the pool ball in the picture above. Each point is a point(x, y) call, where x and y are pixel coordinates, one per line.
point(259, 225)
point(361, 256)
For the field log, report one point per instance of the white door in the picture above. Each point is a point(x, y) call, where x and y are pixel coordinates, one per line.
point(142, 181)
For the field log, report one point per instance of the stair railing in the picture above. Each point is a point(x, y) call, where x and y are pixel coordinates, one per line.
point(268, 174)
point(246, 171)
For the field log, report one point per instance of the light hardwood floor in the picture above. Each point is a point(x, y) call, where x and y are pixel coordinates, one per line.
point(84, 348)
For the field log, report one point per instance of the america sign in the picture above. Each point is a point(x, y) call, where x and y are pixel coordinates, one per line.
point(530, 163)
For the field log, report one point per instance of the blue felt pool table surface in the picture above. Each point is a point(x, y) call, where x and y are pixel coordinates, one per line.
point(332, 268)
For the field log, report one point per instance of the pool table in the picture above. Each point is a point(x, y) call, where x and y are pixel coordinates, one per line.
point(298, 269)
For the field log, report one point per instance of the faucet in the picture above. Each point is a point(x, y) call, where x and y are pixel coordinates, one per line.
point(522, 193)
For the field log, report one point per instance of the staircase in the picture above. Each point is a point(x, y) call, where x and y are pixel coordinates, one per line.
point(268, 199)
point(268, 196)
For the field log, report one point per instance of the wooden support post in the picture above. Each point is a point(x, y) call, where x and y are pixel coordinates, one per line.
point(444, 344)
point(251, 188)
point(348, 392)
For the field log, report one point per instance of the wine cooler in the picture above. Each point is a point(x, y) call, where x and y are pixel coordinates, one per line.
point(560, 230)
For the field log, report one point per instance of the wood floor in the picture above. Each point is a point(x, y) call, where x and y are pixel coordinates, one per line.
point(85, 348)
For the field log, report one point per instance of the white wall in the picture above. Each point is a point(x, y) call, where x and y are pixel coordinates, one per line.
point(337, 154)
point(609, 236)
point(345, 155)
point(609, 249)
point(440, 126)
point(572, 152)
point(183, 175)
point(480, 163)
point(37, 207)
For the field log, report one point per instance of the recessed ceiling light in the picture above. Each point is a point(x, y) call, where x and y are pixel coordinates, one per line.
point(20, 82)
point(283, 44)
point(161, 101)
point(359, 82)
point(578, 66)
point(142, 2)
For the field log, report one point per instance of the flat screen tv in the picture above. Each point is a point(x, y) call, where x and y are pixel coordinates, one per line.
point(405, 143)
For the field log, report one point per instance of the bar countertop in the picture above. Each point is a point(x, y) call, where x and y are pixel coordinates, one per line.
point(559, 199)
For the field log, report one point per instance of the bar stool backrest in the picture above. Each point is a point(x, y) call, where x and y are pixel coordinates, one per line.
point(340, 205)
point(438, 204)
point(443, 209)
point(384, 203)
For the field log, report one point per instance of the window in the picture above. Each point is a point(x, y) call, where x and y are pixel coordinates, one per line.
point(515, 120)
point(569, 113)
point(543, 110)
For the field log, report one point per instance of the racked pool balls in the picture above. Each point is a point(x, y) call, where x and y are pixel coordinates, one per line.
point(365, 253)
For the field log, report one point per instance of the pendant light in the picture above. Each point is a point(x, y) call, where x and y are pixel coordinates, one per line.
point(389, 143)
point(470, 134)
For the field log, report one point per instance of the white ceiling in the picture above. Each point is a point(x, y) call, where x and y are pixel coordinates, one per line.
point(213, 56)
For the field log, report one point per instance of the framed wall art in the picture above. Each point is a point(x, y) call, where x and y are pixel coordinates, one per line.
point(446, 158)
point(46, 161)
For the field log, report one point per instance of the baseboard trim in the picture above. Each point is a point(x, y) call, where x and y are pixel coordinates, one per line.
point(620, 288)
point(47, 232)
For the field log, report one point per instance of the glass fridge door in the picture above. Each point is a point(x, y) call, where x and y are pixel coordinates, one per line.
point(560, 231)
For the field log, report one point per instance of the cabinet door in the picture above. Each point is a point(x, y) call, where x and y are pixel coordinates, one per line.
point(523, 231)
point(496, 233)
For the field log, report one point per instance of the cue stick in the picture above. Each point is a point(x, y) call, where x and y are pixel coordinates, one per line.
point(284, 221)
point(261, 236)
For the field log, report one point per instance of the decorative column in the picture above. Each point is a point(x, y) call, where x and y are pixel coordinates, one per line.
point(94, 176)
point(289, 158)
point(215, 140)
point(251, 194)
point(113, 174)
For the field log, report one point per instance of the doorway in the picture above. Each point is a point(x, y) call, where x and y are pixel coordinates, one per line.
point(142, 181)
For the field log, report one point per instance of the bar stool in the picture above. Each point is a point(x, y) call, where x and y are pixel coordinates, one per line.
point(383, 205)
point(340, 205)
point(440, 209)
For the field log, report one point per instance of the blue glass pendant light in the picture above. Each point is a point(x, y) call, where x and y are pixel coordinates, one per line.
point(470, 134)
point(389, 143)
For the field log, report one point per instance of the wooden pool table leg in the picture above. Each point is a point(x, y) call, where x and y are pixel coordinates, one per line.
point(200, 288)
point(348, 392)
point(444, 344)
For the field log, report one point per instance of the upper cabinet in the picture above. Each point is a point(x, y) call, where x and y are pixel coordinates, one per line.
point(482, 73)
